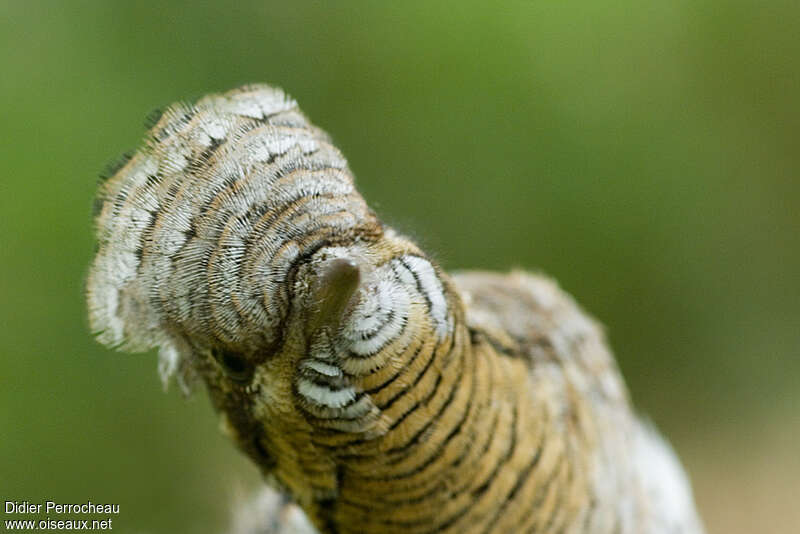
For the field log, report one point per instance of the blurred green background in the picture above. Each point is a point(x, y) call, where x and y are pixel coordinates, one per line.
point(644, 154)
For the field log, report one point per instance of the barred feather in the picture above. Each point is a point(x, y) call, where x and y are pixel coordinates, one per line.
point(377, 392)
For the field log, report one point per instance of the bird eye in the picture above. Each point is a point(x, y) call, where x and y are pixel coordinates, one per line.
point(236, 366)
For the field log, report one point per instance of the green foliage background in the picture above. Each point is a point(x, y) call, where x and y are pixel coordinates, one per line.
point(643, 153)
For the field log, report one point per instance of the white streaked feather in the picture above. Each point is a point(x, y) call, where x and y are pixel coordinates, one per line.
point(389, 331)
point(325, 396)
point(432, 287)
point(322, 368)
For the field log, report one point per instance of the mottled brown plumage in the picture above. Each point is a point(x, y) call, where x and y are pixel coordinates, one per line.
point(374, 390)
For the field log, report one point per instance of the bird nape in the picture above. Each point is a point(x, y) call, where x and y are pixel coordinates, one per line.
point(374, 391)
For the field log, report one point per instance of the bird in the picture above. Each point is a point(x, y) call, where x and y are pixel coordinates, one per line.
point(375, 392)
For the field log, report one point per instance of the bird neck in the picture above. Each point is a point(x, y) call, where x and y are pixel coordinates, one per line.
point(460, 442)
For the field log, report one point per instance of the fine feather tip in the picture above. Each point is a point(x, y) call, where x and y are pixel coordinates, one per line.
point(115, 165)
